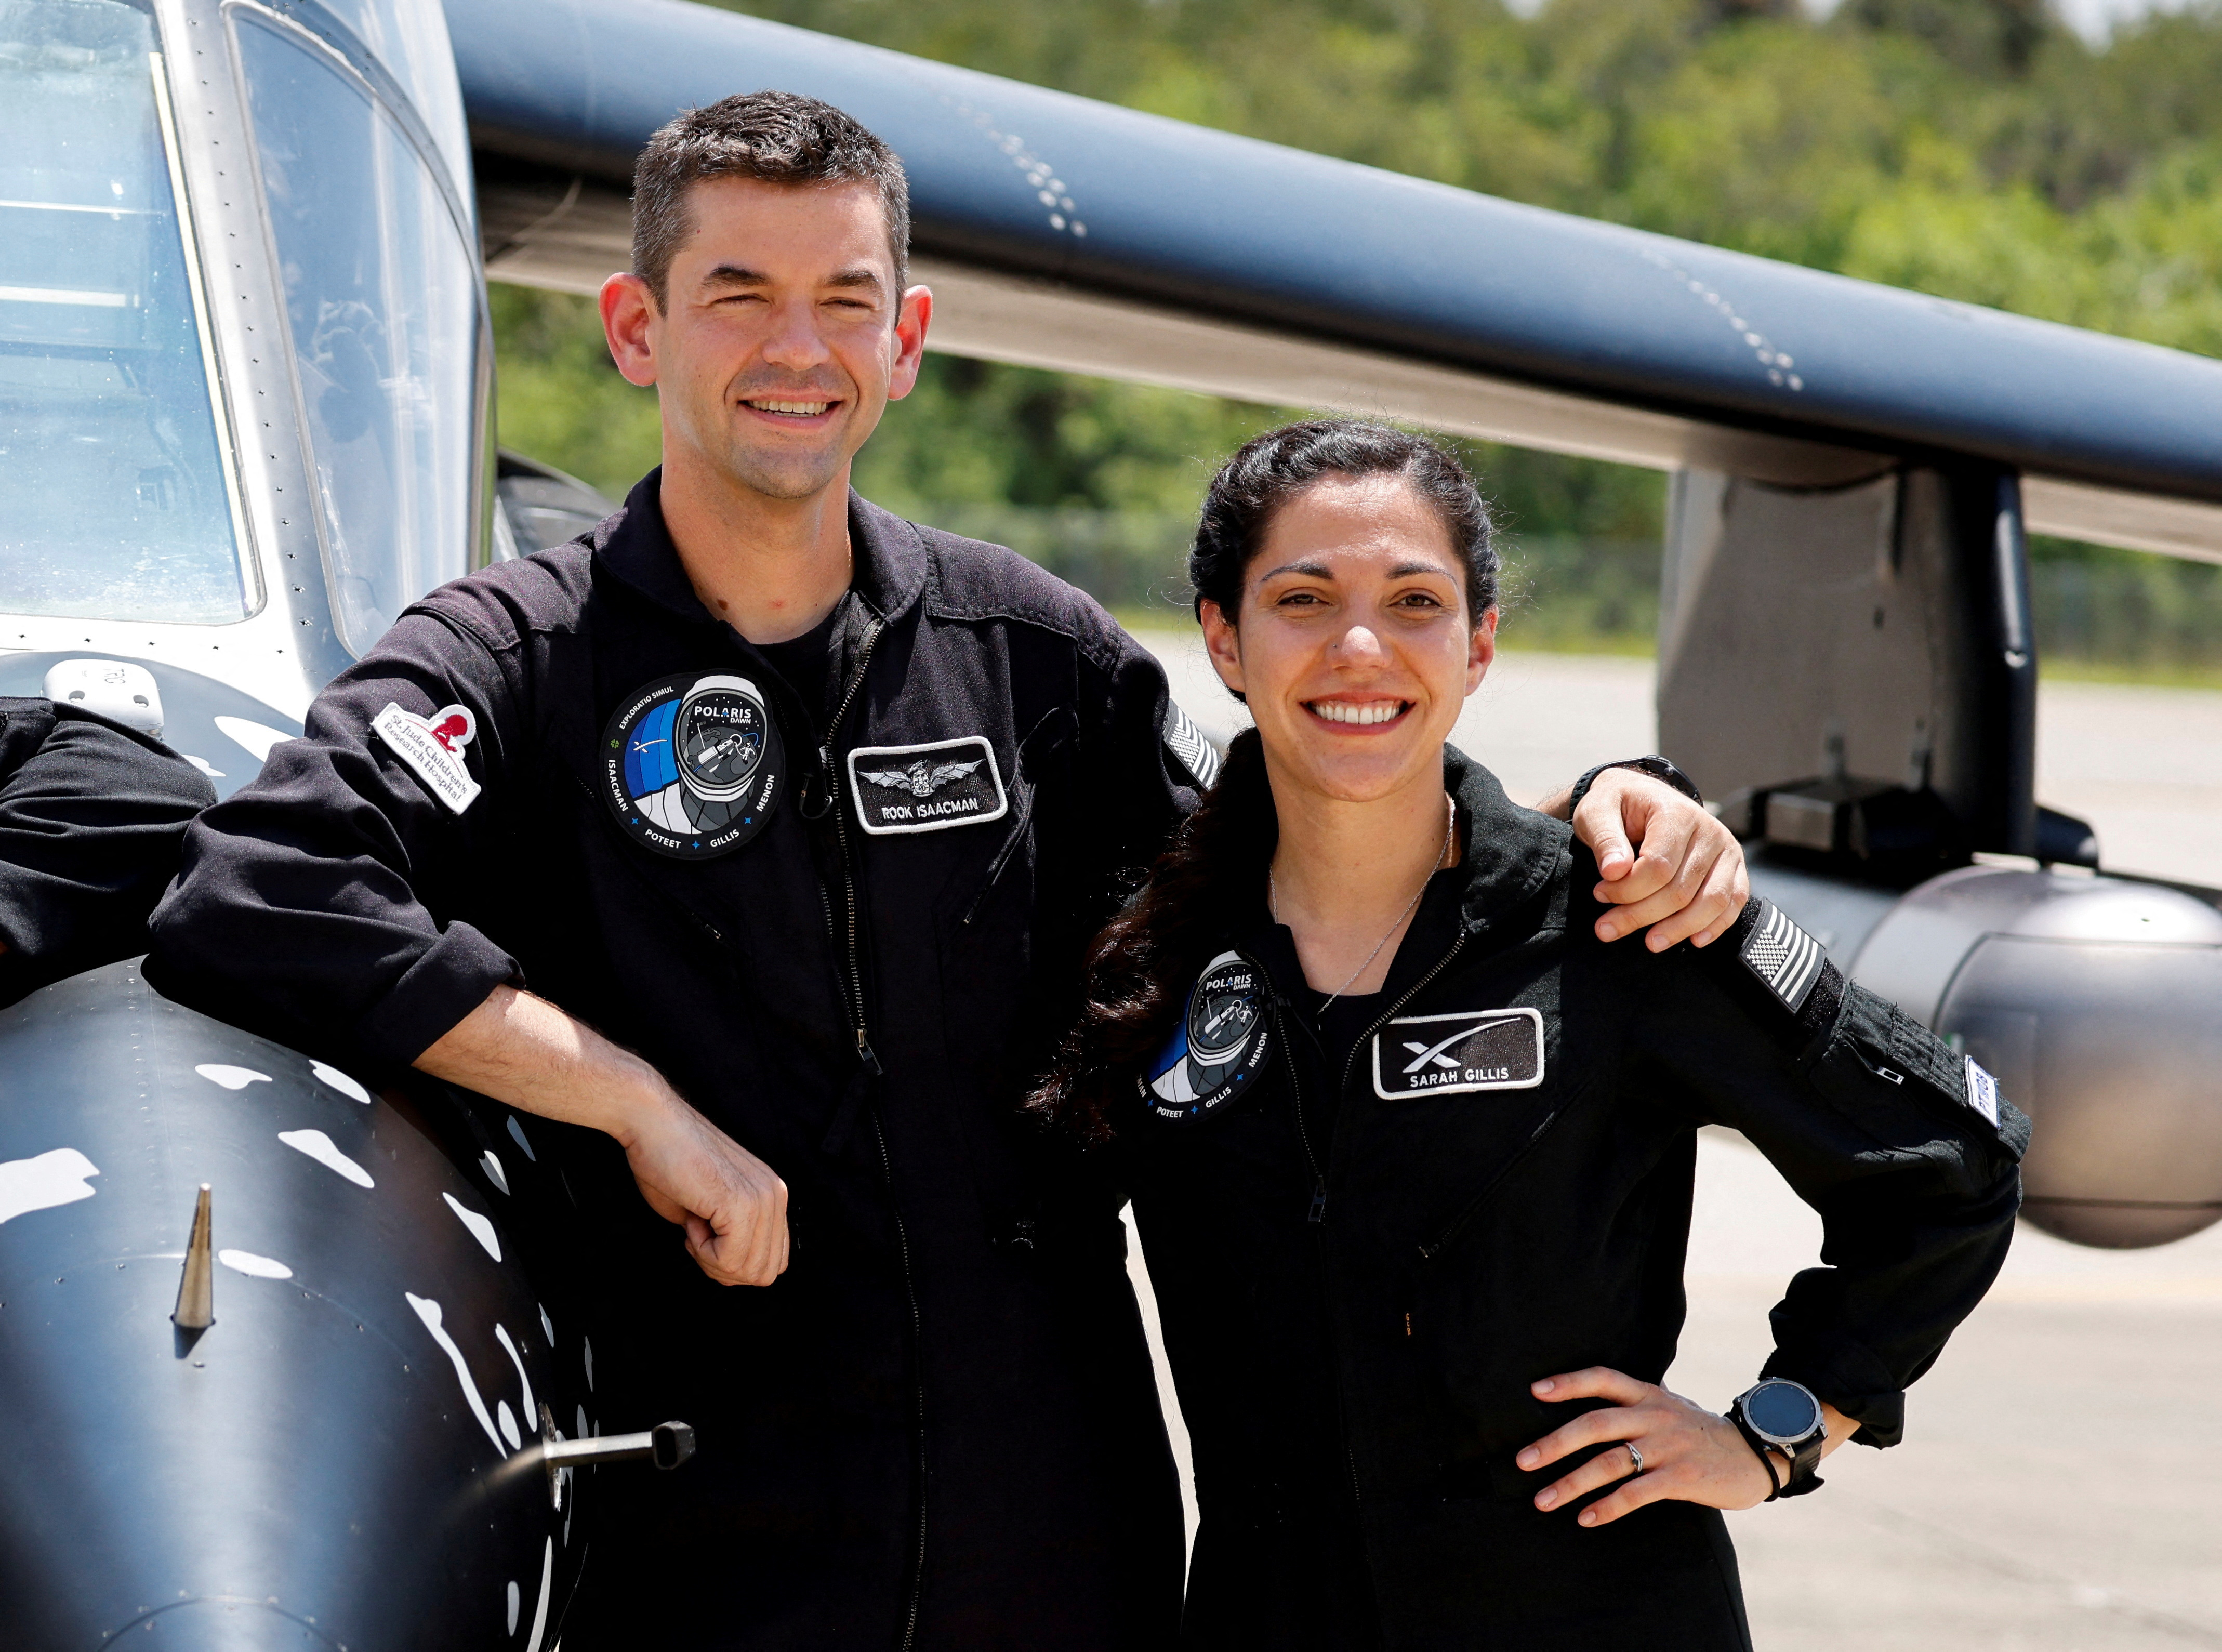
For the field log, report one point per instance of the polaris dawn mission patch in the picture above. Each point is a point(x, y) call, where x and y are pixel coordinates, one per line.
point(693, 765)
point(927, 788)
point(1475, 1049)
point(1220, 1047)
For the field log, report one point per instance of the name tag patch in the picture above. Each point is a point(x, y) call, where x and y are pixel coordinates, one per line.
point(693, 764)
point(1220, 1047)
point(1982, 1091)
point(927, 788)
point(1478, 1049)
point(433, 746)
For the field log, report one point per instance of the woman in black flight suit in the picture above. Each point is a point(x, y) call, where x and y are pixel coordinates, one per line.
point(1411, 1151)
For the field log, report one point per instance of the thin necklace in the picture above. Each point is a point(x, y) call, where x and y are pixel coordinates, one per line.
point(1273, 904)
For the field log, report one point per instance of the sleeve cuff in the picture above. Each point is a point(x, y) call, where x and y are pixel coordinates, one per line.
point(1854, 1382)
point(438, 991)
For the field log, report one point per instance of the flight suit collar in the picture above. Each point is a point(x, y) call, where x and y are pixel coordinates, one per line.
point(892, 564)
point(1507, 854)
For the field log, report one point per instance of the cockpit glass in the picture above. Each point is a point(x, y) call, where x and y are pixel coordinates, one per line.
point(409, 37)
point(382, 300)
point(115, 500)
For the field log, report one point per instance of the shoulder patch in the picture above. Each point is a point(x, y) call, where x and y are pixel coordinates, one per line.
point(1786, 960)
point(693, 765)
point(927, 787)
point(1982, 1091)
point(1220, 1047)
point(1472, 1050)
point(1191, 750)
point(434, 747)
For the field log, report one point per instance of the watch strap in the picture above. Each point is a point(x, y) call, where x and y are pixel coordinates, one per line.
point(1803, 1478)
point(1760, 1449)
point(1651, 764)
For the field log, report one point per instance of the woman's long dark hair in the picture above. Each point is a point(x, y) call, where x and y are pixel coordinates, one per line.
point(1213, 870)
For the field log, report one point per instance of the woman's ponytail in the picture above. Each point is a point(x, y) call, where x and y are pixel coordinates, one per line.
point(1139, 967)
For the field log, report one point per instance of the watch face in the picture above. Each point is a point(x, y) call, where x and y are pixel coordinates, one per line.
point(1781, 1410)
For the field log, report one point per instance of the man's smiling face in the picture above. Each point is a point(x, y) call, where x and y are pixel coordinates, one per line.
point(782, 337)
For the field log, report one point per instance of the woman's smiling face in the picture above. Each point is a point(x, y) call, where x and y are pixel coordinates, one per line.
point(1352, 645)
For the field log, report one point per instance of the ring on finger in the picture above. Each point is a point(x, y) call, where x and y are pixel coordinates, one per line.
point(1634, 1458)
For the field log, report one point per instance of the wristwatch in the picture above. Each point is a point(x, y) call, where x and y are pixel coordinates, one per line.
point(1778, 1415)
point(1653, 765)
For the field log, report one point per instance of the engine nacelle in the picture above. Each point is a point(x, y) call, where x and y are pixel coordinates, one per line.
point(2097, 1002)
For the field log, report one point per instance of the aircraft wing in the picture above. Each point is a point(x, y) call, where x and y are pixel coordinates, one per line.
point(1061, 232)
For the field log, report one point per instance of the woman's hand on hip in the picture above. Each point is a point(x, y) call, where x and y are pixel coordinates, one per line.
point(1687, 1452)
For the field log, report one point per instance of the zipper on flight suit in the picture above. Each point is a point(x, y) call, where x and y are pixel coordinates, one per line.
point(831, 778)
point(1317, 1214)
point(854, 990)
point(1318, 1211)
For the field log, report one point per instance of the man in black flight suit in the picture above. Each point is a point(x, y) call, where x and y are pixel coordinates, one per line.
point(91, 814)
point(813, 808)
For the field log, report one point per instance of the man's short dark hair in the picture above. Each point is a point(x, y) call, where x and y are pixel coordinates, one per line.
point(776, 137)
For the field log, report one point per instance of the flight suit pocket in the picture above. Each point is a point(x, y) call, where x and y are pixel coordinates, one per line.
point(1901, 1084)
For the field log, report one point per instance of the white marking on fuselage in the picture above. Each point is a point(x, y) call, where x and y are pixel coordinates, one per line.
point(531, 1411)
point(204, 765)
point(588, 1345)
point(507, 1418)
point(318, 1147)
point(492, 1168)
point(517, 1134)
point(231, 1077)
point(512, 1607)
point(340, 1082)
point(44, 1181)
point(547, 1326)
point(482, 1229)
point(429, 1311)
point(259, 1267)
point(252, 738)
point(540, 1612)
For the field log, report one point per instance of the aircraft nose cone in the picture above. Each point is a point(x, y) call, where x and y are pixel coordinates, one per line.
point(344, 1457)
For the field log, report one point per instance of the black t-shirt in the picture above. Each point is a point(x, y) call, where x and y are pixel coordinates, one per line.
point(807, 662)
point(1342, 1023)
point(1339, 1025)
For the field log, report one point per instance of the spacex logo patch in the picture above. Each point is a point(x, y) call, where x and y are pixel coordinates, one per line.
point(1785, 958)
point(1477, 1049)
point(433, 746)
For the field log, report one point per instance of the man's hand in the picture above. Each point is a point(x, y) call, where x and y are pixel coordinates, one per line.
point(524, 1051)
point(693, 1173)
point(1662, 861)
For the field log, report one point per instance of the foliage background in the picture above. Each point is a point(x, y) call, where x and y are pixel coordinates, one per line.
point(1978, 149)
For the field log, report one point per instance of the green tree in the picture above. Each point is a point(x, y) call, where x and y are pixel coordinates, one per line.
point(1977, 150)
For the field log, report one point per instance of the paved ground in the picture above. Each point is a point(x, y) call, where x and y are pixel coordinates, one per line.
point(2057, 1489)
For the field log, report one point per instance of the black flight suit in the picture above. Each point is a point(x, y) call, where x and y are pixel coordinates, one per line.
point(1360, 1272)
point(91, 814)
point(938, 1429)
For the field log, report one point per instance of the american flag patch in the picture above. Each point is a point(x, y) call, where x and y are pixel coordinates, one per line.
point(1783, 956)
point(1186, 742)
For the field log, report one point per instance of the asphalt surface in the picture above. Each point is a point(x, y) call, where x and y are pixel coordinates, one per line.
point(2057, 1486)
